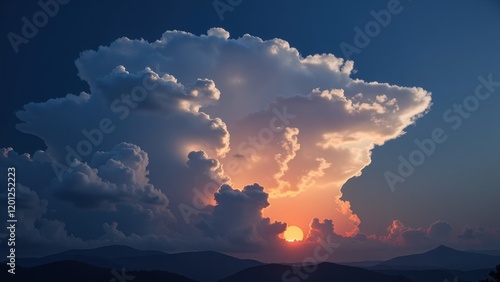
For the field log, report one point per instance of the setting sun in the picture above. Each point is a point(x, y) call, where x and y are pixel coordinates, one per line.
point(293, 233)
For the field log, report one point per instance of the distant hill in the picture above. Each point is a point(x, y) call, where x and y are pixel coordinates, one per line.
point(362, 264)
point(76, 271)
point(112, 252)
point(439, 275)
point(485, 252)
point(441, 257)
point(96, 264)
point(103, 256)
point(324, 272)
point(202, 266)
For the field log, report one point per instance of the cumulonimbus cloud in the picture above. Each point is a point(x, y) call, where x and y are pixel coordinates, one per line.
point(163, 119)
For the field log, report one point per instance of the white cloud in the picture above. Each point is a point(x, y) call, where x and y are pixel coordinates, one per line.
point(190, 107)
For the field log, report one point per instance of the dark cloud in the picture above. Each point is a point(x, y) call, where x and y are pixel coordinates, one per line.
point(321, 230)
point(120, 113)
point(440, 230)
point(237, 218)
point(34, 231)
point(119, 177)
point(467, 234)
point(480, 236)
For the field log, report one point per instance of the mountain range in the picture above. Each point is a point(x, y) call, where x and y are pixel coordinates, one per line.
point(107, 263)
point(201, 266)
point(441, 257)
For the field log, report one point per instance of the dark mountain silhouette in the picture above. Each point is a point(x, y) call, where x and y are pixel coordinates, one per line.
point(362, 264)
point(441, 257)
point(103, 256)
point(76, 271)
point(440, 275)
point(324, 272)
point(112, 252)
point(202, 266)
point(485, 252)
point(103, 253)
point(96, 265)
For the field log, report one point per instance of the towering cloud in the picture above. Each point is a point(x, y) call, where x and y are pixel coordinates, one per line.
point(164, 124)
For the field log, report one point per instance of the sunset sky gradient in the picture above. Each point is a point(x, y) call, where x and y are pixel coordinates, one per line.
point(161, 126)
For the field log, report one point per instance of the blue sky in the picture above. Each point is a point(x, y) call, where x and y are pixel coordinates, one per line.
point(440, 46)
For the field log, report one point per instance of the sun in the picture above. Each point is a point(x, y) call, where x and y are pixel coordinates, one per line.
point(293, 234)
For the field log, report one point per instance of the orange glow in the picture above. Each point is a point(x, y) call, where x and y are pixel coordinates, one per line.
point(293, 233)
point(325, 207)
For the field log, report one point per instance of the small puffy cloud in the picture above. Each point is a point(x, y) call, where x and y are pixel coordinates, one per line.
point(440, 230)
point(321, 230)
point(467, 234)
point(395, 230)
point(218, 32)
point(398, 233)
point(237, 217)
point(480, 237)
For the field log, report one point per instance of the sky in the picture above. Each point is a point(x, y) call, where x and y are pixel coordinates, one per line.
point(214, 125)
